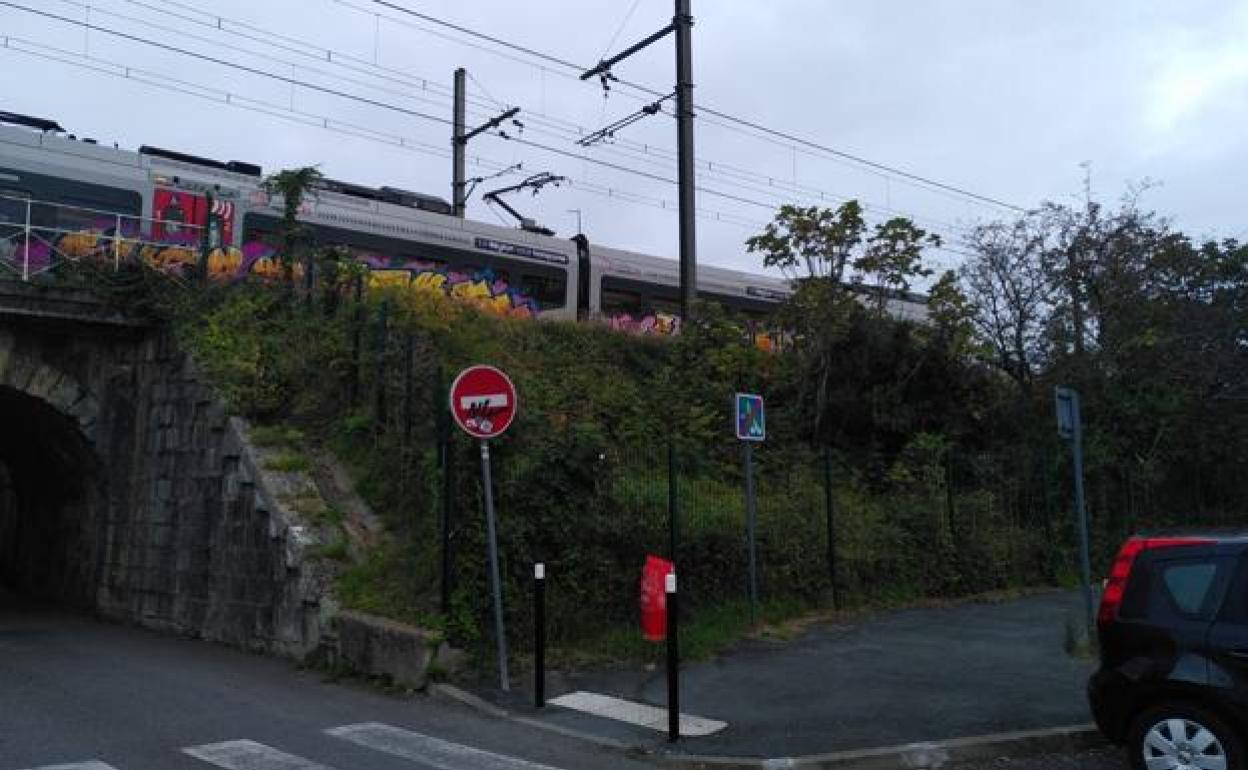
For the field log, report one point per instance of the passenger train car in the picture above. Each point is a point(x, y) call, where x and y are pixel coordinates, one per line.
point(60, 186)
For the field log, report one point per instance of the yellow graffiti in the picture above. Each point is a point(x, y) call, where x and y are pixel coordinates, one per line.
point(471, 290)
point(224, 263)
point(378, 279)
point(499, 305)
point(479, 293)
point(267, 267)
point(430, 282)
point(167, 257)
point(665, 323)
point(78, 245)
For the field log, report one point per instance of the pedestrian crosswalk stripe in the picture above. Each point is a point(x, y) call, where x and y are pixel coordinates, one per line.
point(92, 765)
point(434, 752)
point(249, 755)
point(639, 714)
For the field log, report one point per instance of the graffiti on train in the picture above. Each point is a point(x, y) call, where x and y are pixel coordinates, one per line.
point(664, 324)
point(480, 288)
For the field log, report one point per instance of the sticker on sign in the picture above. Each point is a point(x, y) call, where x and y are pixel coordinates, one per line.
point(483, 401)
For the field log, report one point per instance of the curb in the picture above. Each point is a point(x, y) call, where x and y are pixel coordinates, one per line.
point(910, 756)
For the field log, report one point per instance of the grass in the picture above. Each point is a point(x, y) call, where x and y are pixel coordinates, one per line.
point(703, 636)
point(289, 462)
point(382, 584)
point(315, 510)
point(335, 551)
point(276, 436)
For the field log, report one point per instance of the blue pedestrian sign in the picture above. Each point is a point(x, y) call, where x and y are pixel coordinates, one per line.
point(750, 420)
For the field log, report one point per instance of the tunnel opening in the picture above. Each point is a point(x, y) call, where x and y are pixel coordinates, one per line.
point(48, 502)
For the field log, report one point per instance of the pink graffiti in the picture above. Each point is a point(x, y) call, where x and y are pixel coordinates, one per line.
point(660, 324)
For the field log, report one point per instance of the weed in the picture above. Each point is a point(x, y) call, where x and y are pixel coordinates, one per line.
point(276, 436)
point(288, 462)
point(335, 551)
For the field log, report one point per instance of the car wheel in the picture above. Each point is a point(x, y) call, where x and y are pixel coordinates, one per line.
point(1183, 737)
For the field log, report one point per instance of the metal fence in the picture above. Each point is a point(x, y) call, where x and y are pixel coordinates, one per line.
point(36, 237)
point(592, 511)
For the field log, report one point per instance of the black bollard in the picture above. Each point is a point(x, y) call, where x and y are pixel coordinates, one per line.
point(673, 660)
point(539, 635)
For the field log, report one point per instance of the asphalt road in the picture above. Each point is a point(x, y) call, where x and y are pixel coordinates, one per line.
point(898, 678)
point(74, 690)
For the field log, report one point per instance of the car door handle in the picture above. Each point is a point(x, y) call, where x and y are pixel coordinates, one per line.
point(1239, 654)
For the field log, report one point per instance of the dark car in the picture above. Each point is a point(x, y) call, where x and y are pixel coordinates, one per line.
point(1173, 629)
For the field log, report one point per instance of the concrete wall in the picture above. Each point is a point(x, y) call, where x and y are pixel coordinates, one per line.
point(143, 499)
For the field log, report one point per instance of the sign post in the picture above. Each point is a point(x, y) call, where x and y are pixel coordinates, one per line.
point(1070, 426)
point(483, 403)
point(751, 427)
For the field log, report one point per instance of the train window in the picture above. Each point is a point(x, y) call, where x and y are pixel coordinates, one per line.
point(73, 219)
point(668, 305)
point(255, 235)
point(78, 214)
point(13, 206)
point(616, 301)
point(548, 291)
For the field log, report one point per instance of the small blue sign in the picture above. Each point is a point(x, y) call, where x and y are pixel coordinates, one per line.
point(1067, 412)
point(751, 422)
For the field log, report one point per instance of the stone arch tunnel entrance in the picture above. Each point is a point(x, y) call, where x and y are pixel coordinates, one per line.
point(128, 491)
point(51, 500)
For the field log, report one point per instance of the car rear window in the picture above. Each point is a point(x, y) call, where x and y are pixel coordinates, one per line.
point(1183, 587)
point(1188, 585)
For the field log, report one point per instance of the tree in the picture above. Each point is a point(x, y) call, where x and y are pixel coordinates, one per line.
point(1007, 285)
point(894, 257)
point(814, 247)
point(952, 315)
point(811, 242)
point(294, 185)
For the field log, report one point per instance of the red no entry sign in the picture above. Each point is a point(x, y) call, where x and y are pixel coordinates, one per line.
point(483, 401)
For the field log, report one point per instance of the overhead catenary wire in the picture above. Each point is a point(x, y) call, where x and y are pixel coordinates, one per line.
point(156, 80)
point(237, 101)
point(620, 29)
point(314, 51)
point(786, 136)
point(918, 181)
point(342, 126)
point(225, 63)
point(545, 124)
point(423, 86)
point(159, 80)
point(369, 101)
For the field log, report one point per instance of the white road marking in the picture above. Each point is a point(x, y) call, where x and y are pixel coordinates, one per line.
point(639, 714)
point(433, 752)
point(92, 765)
point(249, 755)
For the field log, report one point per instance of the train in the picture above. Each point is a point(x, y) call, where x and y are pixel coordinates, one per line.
point(64, 188)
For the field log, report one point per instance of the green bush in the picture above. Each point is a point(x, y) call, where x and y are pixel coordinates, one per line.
point(288, 461)
point(581, 479)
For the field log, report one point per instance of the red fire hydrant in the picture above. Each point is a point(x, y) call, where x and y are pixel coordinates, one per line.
point(653, 599)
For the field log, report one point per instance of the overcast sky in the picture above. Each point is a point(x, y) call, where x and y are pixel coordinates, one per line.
point(1005, 99)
